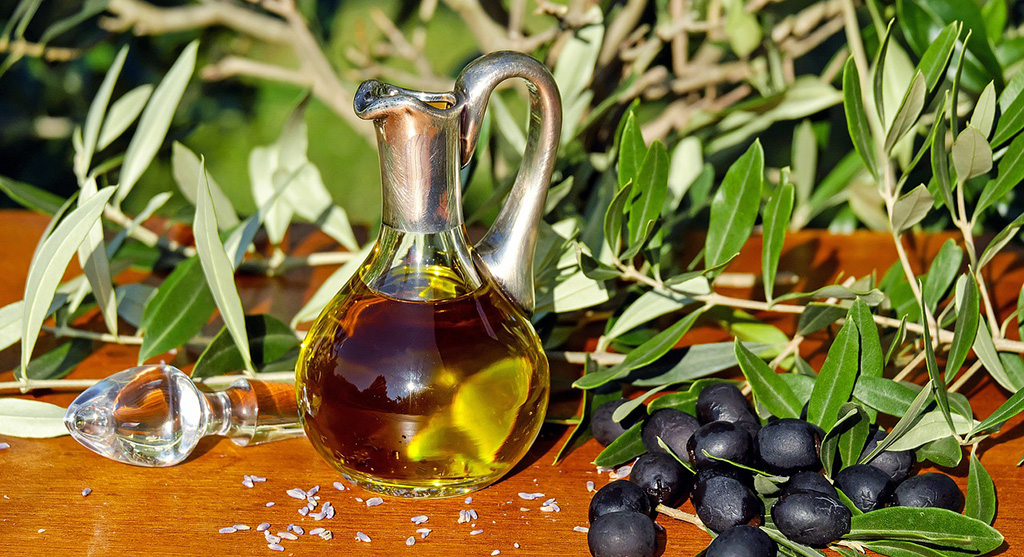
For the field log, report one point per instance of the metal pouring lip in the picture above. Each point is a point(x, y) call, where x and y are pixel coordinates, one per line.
point(375, 99)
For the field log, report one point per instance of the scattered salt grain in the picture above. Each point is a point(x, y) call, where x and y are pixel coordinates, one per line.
point(472, 514)
point(581, 529)
point(241, 527)
point(271, 538)
point(270, 503)
point(524, 509)
point(419, 519)
point(424, 532)
point(476, 532)
point(275, 547)
point(287, 536)
point(469, 500)
point(41, 530)
point(603, 469)
point(463, 518)
point(590, 487)
point(328, 510)
point(622, 472)
point(296, 493)
point(530, 496)
point(311, 505)
point(339, 486)
point(316, 531)
point(228, 530)
point(516, 545)
point(363, 537)
point(4, 446)
point(410, 540)
point(257, 479)
point(312, 491)
point(359, 499)
point(247, 482)
point(374, 501)
point(263, 526)
point(304, 511)
point(326, 535)
point(297, 529)
point(86, 492)
point(496, 552)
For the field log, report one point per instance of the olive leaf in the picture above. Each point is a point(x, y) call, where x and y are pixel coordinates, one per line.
point(929, 427)
point(1013, 406)
point(734, 208)
point(1011, 173)
point(613, 218)
point(817, 316)
point(270, 340)
point(885, 395)
point(699, 360)
point(972, 155)
point(642, 355)
point(935, 60)
point(908, 113)
point(92, 256)
point(941, 273)
point(980, 502)
point(155, 121)
point(218, 269)
point(48, 263)
point(945, 452)
point(742, 28)
point(768, 387)
point(999, 242)
point(627, 408)
point(1011, 121)
point(94, 118)
point(31, 197)
point(933, 525)
point(940, 160)
point(777, 213)
point(857, 118)
point(836, 379)
point(185, 167)
point(31, 419)
point(966, 328)
point(59, 361)
point(985, 110)
point(131, 301)
point(624, 448)
point(911, 208)
point(330, 287)
point(871, 360)
point(649, 306)
point(123, 113)
point(177, 311)
point(985, 348)
point(649, 191)
point(632, 150)
point(938, 383)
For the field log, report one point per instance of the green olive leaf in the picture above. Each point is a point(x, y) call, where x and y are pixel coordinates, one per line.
point(31, 419)
point(734, 208)
point(836, 379)
point(980, 502)
point(938, 526)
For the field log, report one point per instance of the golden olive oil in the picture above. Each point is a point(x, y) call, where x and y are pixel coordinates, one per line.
point(422, 398)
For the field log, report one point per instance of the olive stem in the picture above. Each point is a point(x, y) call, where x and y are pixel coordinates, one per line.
point(680, 515)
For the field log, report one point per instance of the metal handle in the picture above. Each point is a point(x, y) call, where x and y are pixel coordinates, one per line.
point(508, 247)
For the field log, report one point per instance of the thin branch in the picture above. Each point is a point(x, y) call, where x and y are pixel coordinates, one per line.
point(21, 48)
point(68, 332)
point(82, 384)
point(680, 515)
point(143, 18)
point(234, 66)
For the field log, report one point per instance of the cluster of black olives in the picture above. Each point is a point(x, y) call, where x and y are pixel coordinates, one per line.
point(808, 509)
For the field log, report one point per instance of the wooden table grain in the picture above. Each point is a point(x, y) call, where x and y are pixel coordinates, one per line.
point(179, 510)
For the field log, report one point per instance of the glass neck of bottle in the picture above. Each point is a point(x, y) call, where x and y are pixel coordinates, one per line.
point(421, 266)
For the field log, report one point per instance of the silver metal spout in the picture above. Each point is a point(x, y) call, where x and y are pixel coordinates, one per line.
point(417, 138)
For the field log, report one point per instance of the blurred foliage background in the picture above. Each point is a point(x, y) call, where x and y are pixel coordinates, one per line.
point(712, 75)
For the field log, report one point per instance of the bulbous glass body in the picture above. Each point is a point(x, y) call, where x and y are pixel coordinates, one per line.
point(420, 378)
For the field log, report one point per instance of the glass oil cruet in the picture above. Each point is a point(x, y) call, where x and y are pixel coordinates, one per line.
point(424, 377)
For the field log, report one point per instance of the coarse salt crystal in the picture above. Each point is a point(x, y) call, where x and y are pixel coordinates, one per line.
point(227, 530)
point(296, 493)
point(582, 529)
point(496, 552)
point(419, 519)
point(359, 499)
point(410, 540)
point(476, 532)
point(326, 535)
point(590, 486)
point(339, 486)
point(287, 536)
point(363, 537)
point(241, 527)
point(263, 526)
point(374, 501)
point(4, 446)
point(516, 545)
point(270, 503)
point(271, 538)
point(304, 511)
point(274, 547)
point(41, 530)
point(315, 531)
point(423, 532)
point(86, 492)
point(473, 515)
point(298, 529)
point(247, 482)
point(257, 479)
point(312, 491)
point(469, 500)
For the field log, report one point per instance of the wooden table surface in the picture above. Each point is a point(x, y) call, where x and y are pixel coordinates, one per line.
point(179, 510)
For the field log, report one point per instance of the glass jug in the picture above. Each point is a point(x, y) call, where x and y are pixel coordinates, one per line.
point(424, 377)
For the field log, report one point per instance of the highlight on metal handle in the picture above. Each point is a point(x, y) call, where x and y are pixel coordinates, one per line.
point(508, 247)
